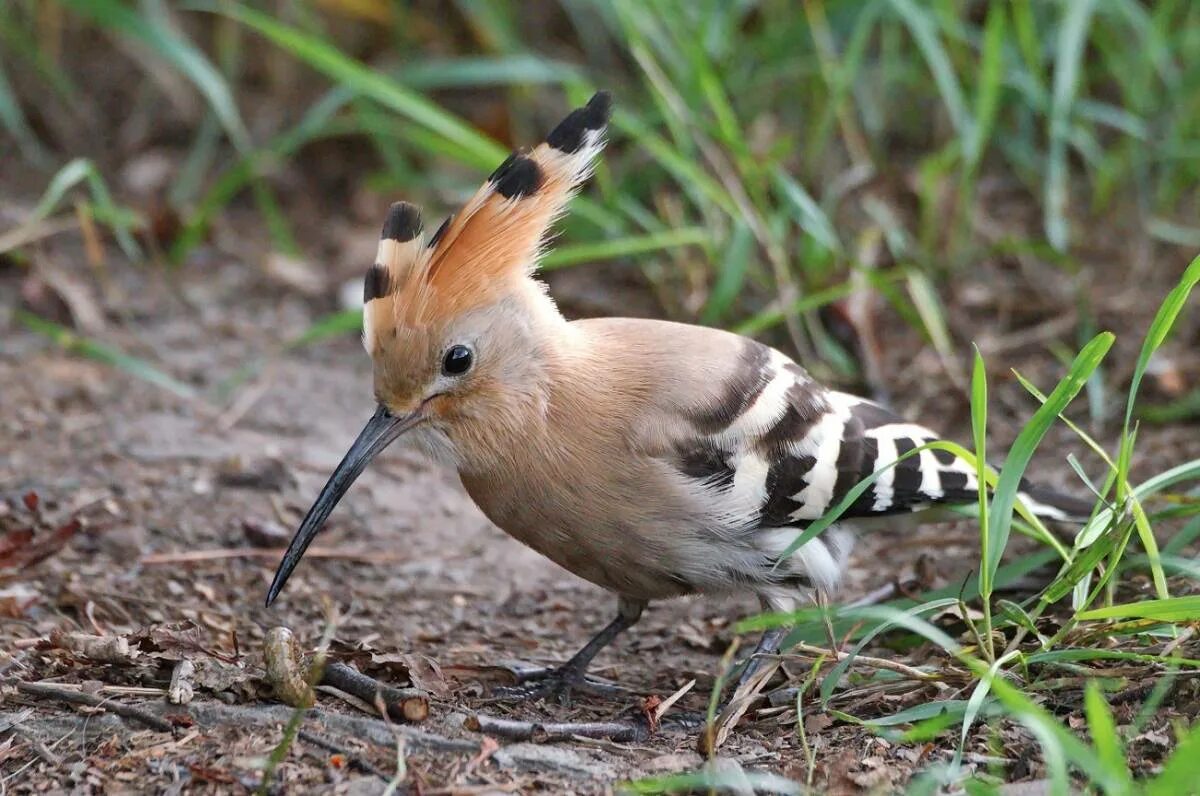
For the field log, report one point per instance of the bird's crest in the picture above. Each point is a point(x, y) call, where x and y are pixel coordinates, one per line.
point(478, 254)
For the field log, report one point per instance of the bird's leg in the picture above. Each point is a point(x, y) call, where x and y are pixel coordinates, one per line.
point(757, 670)
point(571, 675)
point(771, 640)
point(768, 646)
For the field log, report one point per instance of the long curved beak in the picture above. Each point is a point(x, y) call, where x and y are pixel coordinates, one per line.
point(379, 432)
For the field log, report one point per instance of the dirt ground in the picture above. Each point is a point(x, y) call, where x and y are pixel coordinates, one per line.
point(182, 505)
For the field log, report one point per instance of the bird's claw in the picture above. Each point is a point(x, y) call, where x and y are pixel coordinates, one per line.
point(556, 683)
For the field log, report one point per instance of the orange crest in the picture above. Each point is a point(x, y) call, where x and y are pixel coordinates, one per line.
point(480, 254)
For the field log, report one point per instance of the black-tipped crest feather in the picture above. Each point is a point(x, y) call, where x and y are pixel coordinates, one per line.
point(403, 222)
point(377, 283)
point(440, 231)
point(569, 135)
point(518, 176)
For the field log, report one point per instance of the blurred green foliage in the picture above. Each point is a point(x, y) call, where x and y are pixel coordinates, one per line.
point(763, 152)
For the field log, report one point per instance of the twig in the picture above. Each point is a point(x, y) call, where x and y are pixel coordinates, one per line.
point(666, 704)
point(8, 722)
point(221, 553)
point(540, 732)
point(884, 593)
point(39, 748)
point(102, 649)
point(878, 663)
point(353, 759)
point(1172, 645)
point(14, 775)
point(82, 698)
point(126, 690)
point(352, 701)
point(14, 724)
point(28, 233)
point(403, 704)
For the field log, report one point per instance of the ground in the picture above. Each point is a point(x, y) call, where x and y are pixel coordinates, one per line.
point(184, 502)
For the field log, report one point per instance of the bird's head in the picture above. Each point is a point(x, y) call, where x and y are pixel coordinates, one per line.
point(455, 325)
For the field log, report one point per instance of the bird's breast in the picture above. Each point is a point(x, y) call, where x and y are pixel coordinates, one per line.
point(605, 533)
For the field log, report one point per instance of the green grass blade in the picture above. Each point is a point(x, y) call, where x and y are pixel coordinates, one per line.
point(929, 308)
point(1146, 535)
point(118, 218)
point(731, 274)
point(1171, 609)
point(18, 127)
point(150, 27)
point(810, 216)
point(1103, 729)
point(1059, 744)
point(1160, 327)
point(471, 146)
point(1188, 471)
point(1182, 770)
point(1068, 58)
point(991, 81)
point(134, 366)
point(1031, 435)
point(768, 318)
point(314, 122)
point(923, 27)
point(835, 674)
point(976, 703)
point(335, 324)
point(612, 248)
point(979, 412)
point(479, 71)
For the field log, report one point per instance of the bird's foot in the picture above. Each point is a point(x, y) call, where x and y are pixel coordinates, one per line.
point(559, 683)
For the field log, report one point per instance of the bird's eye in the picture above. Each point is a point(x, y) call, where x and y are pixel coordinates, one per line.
point(457, 360)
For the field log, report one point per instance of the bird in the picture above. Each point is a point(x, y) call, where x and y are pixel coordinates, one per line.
point(652, 458)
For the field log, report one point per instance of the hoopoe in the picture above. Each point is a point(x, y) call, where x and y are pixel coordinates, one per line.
point(654, 459)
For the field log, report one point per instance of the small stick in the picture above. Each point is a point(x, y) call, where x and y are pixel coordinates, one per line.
point(81, 698)
point(352, 758)
point(878, 663)
point(221, 553)
point(882, 594)
point(353, 701)
point(666, 704)
point(127, 690)
point(403, 704)
point(39, 748)
point(102, 649)
point(540, 732)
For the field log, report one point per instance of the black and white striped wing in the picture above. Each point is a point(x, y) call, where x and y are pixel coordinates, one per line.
point(852, 440)
point(788, 449)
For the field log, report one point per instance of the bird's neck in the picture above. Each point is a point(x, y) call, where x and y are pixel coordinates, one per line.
point(514, 420)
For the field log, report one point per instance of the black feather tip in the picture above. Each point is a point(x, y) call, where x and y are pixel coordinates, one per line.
point(377, 283)
point(518, 176)
point(403, 222)
point(441, 230)
point(569, 135)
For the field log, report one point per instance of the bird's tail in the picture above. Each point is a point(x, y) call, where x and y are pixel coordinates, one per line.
point(1050, 504)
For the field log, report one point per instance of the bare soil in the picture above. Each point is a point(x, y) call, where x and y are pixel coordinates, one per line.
point(182, 503)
